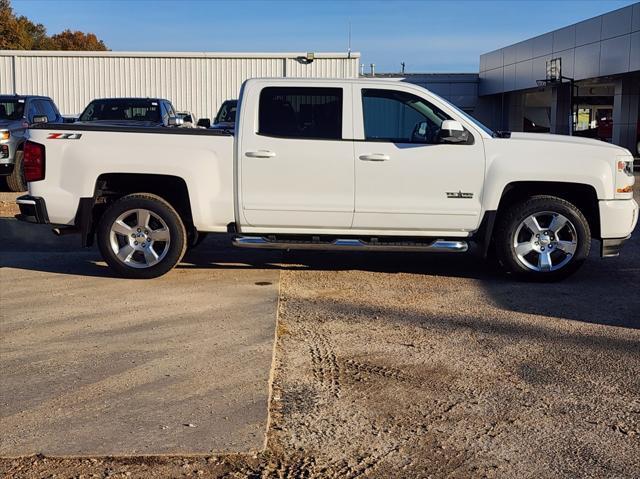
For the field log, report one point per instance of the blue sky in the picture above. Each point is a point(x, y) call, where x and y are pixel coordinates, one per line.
point(429, 36)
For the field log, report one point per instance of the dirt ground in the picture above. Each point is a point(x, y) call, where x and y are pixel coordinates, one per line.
point(8, 205)
point(395, 365)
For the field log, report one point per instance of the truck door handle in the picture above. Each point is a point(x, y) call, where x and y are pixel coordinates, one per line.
point(260, 154)
point(375, 157)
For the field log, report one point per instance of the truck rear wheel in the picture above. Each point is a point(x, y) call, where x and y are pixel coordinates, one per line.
point(543, 238)
point(141, 236)
point(16, 181)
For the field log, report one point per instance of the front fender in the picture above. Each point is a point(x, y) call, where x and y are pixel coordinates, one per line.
point(527, 161)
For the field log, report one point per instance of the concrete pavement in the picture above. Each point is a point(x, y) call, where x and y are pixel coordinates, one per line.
point(96, 365)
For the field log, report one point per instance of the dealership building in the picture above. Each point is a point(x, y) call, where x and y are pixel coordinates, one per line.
point(598, 96)
point(583, 79)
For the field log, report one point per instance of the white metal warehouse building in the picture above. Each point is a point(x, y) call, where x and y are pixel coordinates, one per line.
point(198, 82)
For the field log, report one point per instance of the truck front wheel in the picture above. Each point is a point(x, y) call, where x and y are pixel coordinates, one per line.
point(542, 238)
point(141, 236)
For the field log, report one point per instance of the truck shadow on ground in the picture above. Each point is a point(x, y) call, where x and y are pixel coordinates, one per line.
point(603, 291)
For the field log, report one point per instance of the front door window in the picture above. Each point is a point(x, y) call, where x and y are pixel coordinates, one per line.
point(400, 117)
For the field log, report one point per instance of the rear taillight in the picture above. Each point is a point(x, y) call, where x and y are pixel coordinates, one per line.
point(33, 161)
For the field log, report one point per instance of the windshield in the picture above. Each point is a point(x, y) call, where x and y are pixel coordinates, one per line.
point(227, 113)
point(11, 109)
point(132, 110)
point(466, 115)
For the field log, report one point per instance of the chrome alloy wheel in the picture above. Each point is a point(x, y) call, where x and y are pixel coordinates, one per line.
point(545, 241)
point(139, 238)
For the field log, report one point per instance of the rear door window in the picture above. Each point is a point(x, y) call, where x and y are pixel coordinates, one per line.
point(47, 109)
point(33, 110)
point(301, 112)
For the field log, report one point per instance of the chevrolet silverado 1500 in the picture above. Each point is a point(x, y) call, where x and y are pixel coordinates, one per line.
point(333, 164)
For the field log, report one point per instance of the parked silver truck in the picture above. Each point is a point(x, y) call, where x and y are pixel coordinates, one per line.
point(17, 113)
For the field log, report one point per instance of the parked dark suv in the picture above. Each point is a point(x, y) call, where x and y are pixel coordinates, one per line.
point(17, 113)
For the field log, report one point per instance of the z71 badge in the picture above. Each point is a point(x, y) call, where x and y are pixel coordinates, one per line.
point(64, 136)
point(459, 194)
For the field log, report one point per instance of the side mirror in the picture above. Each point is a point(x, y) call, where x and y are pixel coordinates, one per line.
point(39, 119)
point(204, 123)
point(452, 131)
point(175, 121)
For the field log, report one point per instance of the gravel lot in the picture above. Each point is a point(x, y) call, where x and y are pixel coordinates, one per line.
point(8, 205)
point(398, 365)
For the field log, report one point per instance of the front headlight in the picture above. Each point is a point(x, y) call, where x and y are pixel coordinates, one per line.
point(4, 135)
point(626, 166)
point(624, 177)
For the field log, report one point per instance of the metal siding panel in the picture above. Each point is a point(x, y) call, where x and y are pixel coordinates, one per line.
point(564, 38)
point(509, 55)
point(491, 81)
point(509, 77)
point(464, 89)
point(617, 23)
point(543, 45)
point(635, 22)
point(442, 89)
point(634, 57)
point(524, 50)
point(587, 61)
point(6, 74)
point(197, 82)
point(494, 60)
point(483, 62)
point(539, 68)
point(588, 31)
point(524, 75)
point(614, 55)
point(568, 60)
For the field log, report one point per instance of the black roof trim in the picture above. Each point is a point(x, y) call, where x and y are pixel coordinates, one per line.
point(119, 98)
point(24, 97)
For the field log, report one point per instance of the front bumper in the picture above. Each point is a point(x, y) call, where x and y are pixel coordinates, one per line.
point(8, 150)
point(32, 209)
point(618, 218)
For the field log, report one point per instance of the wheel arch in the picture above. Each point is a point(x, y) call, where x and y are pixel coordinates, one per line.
point(109, 187)
point(583, 196)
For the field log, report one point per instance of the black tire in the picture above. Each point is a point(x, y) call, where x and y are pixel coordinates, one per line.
point(175, 249)
point(576, 234)
point(16, 181)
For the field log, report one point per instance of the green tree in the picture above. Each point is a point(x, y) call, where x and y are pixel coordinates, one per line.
point(20, 33)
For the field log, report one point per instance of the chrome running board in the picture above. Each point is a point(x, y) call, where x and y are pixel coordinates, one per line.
point(434, 246)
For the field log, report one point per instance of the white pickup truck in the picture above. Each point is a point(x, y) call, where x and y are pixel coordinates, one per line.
point(333, 164)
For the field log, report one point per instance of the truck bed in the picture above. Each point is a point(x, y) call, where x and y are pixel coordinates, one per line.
point(78, 157)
